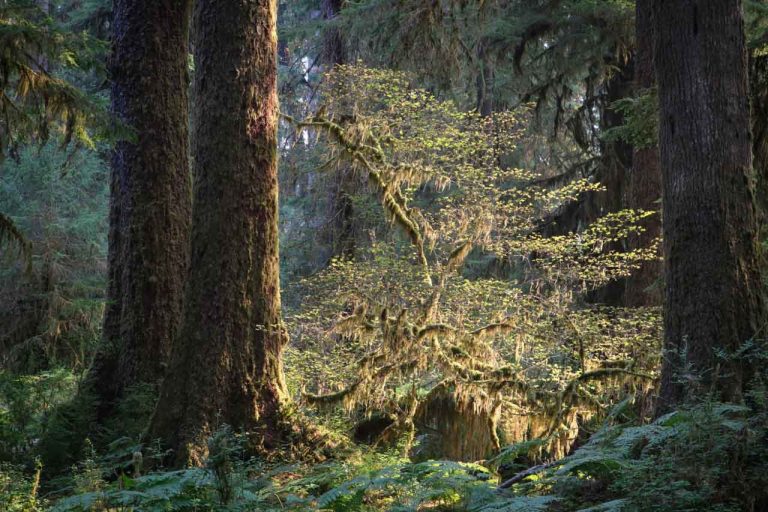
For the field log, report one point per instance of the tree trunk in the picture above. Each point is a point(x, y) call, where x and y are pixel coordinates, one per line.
point(453, 431)
point(44, 5)
point(486, 77)
point(227, 366)
point(644, 187)
point(713, 301)
point(758, 75)
point(341, 234)
point(614, 166)
point(334, 49)
point(150, 203)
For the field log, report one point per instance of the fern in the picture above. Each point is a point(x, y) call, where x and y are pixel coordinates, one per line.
point(608, 506)
point(518, 504)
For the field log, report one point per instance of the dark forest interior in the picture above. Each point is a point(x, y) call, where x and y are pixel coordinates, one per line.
point(383, 255)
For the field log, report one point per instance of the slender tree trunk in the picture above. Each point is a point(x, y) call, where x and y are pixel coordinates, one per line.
point(713, 301)
point(227, 366)
point(44, 5)
point(341, 228)
point(150, 200)
point(644, 186)
point(615, 164)
point(485, 81)
point(334, 48)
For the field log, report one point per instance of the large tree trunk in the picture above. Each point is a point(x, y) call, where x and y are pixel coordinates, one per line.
point(150, 203)
point(644, 184)
point(758, 74)
point(227, 365)
point(713, 300)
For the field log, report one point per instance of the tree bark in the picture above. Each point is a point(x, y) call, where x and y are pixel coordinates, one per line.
point(758, 75)
point(227, 366)
point(713, 301)
point(150, 203)
point(644, 184)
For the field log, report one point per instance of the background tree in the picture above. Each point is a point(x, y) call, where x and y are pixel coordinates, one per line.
point(36, 100)
point(227, 364)
point(52, 133)
point(572, 59)
point(433, 353)
point(644, 182)
point(341, 228)
point(714, 306)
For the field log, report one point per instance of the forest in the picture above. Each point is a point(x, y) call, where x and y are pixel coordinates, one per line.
point(383, 255)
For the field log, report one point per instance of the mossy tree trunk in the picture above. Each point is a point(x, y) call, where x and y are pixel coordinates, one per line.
point(644, 183)
point(454, 431)
point(150, 196)
point(713, 300)
point(227, 364)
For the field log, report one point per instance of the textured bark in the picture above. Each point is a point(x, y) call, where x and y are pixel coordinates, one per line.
point(758, 74)
point(227, 366)
point(150, 203)
point(644, 183)
point(713, 299)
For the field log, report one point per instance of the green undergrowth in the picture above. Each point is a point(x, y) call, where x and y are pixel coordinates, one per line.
point(711, 457)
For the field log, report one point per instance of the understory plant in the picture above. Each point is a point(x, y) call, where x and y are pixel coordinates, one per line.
point(706, 457)
point(523, 349)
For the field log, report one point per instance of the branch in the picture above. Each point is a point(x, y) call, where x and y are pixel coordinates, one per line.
point(525, 474)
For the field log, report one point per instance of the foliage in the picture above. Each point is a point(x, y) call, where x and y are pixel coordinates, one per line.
point(32, 45)
point(26, 403)
point(50, 314)
point(756, 17)
point(19, 492)
point(561, 55)
point(363, 482)
point(35, 98)
point(708, 457)
point(419, 327)
point(640, 114)
point(456, 296)
point(566, 52)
